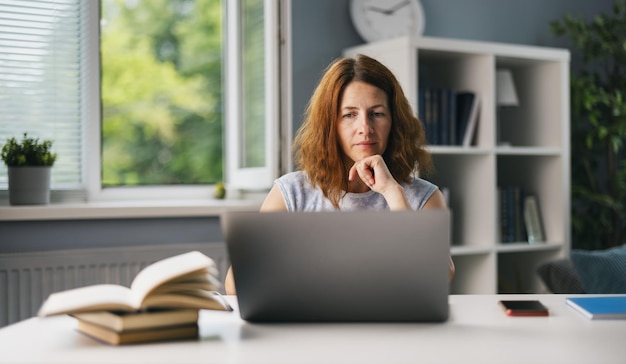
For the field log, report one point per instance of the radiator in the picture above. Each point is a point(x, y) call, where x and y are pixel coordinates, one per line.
point(26, 279)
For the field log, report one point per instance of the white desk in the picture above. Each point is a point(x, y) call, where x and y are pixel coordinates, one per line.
point(478, 331)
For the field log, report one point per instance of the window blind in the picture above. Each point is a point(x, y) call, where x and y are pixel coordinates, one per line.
point(41, 64)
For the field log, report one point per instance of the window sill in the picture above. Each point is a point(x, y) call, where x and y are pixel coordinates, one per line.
point(126, 209)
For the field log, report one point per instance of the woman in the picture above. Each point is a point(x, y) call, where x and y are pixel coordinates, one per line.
point(357, 148)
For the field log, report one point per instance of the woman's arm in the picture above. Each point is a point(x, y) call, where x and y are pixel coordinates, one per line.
point(229, 282)
point(438, 201)
point(274, 201)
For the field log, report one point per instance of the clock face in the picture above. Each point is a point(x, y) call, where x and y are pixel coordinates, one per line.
point(383, 19)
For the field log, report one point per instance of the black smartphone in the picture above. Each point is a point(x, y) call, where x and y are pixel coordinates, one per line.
point(524, 308)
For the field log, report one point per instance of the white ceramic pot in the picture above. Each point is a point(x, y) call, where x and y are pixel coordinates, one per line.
point(29, 185)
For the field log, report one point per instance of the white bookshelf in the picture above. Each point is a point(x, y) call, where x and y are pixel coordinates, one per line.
point(536, 158)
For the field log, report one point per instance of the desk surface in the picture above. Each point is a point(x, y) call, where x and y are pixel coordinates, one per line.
point(477, 332)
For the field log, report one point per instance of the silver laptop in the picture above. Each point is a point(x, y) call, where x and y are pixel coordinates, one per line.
point(361, 266)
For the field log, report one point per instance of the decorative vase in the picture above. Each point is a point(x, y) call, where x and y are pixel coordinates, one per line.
point(29, 185)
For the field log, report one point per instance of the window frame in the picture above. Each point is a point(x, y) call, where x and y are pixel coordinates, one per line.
point(236, 178)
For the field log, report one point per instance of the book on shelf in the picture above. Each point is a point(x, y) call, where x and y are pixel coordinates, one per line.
point(435, 125)
point(532, 219)
point(599, 307)
point(121, 321)
point(449, 116)
point(503, 204)
point(512, 214)
point(183, 281)
point(180, 332)
point(519, 233)
point(467, 104)
point(424, 113)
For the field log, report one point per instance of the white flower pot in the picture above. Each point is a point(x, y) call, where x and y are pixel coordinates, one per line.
point(29, 185)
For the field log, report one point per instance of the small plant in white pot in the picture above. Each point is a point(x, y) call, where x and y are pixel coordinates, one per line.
point(29, 163)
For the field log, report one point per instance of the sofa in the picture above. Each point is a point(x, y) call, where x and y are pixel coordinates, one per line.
point(587, 271)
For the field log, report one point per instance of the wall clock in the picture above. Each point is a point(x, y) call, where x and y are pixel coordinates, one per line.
point(383, 19)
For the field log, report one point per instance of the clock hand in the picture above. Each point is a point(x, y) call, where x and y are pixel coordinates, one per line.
point(390, 10)
point(380, 10)
point(399, 6)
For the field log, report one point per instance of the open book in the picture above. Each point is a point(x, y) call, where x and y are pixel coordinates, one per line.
point(183, 281)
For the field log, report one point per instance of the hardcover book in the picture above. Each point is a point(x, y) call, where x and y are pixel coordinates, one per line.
point(183, 332)
point(183, 281)
point(120, 321)
point(599, 307)
point(532, 219)
point(467, 106)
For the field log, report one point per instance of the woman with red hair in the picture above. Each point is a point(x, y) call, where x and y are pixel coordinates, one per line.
point(360, 147)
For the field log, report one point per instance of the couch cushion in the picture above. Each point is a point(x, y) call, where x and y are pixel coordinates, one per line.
point(601, 271)
point(559, 276)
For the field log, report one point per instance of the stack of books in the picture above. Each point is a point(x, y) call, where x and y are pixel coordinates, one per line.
point(119, 327)
point(162, 303)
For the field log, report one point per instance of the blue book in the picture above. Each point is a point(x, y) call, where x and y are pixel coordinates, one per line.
point(599, 308)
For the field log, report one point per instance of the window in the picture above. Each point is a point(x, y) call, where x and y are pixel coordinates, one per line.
point(161, 89)
point(170, 86)
point(252, 129)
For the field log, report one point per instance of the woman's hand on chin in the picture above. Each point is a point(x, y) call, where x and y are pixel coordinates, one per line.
point(374, 173)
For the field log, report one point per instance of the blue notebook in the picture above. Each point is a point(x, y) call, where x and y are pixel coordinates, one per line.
point(599, 308)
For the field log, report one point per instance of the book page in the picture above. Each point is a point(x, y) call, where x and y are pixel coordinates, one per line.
point(165, 270)
point(181, 287)
point(190, 299)
point(97, 297)
point(203, 279)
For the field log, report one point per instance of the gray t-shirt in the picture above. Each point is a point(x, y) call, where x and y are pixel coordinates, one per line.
point(300, 195)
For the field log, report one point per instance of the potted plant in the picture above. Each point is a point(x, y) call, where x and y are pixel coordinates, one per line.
point(598, 130)
point(29, 163)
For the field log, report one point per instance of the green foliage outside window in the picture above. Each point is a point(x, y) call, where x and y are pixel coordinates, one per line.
point(253, 74)
point(161, 89)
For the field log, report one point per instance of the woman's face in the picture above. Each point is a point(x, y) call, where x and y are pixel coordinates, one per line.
point(364, 121)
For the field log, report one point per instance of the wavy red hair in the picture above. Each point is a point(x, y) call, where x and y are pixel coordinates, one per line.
point(316, 145)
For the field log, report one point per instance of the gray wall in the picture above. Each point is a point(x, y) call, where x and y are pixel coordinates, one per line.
point(320, 29)
point(30, 236)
